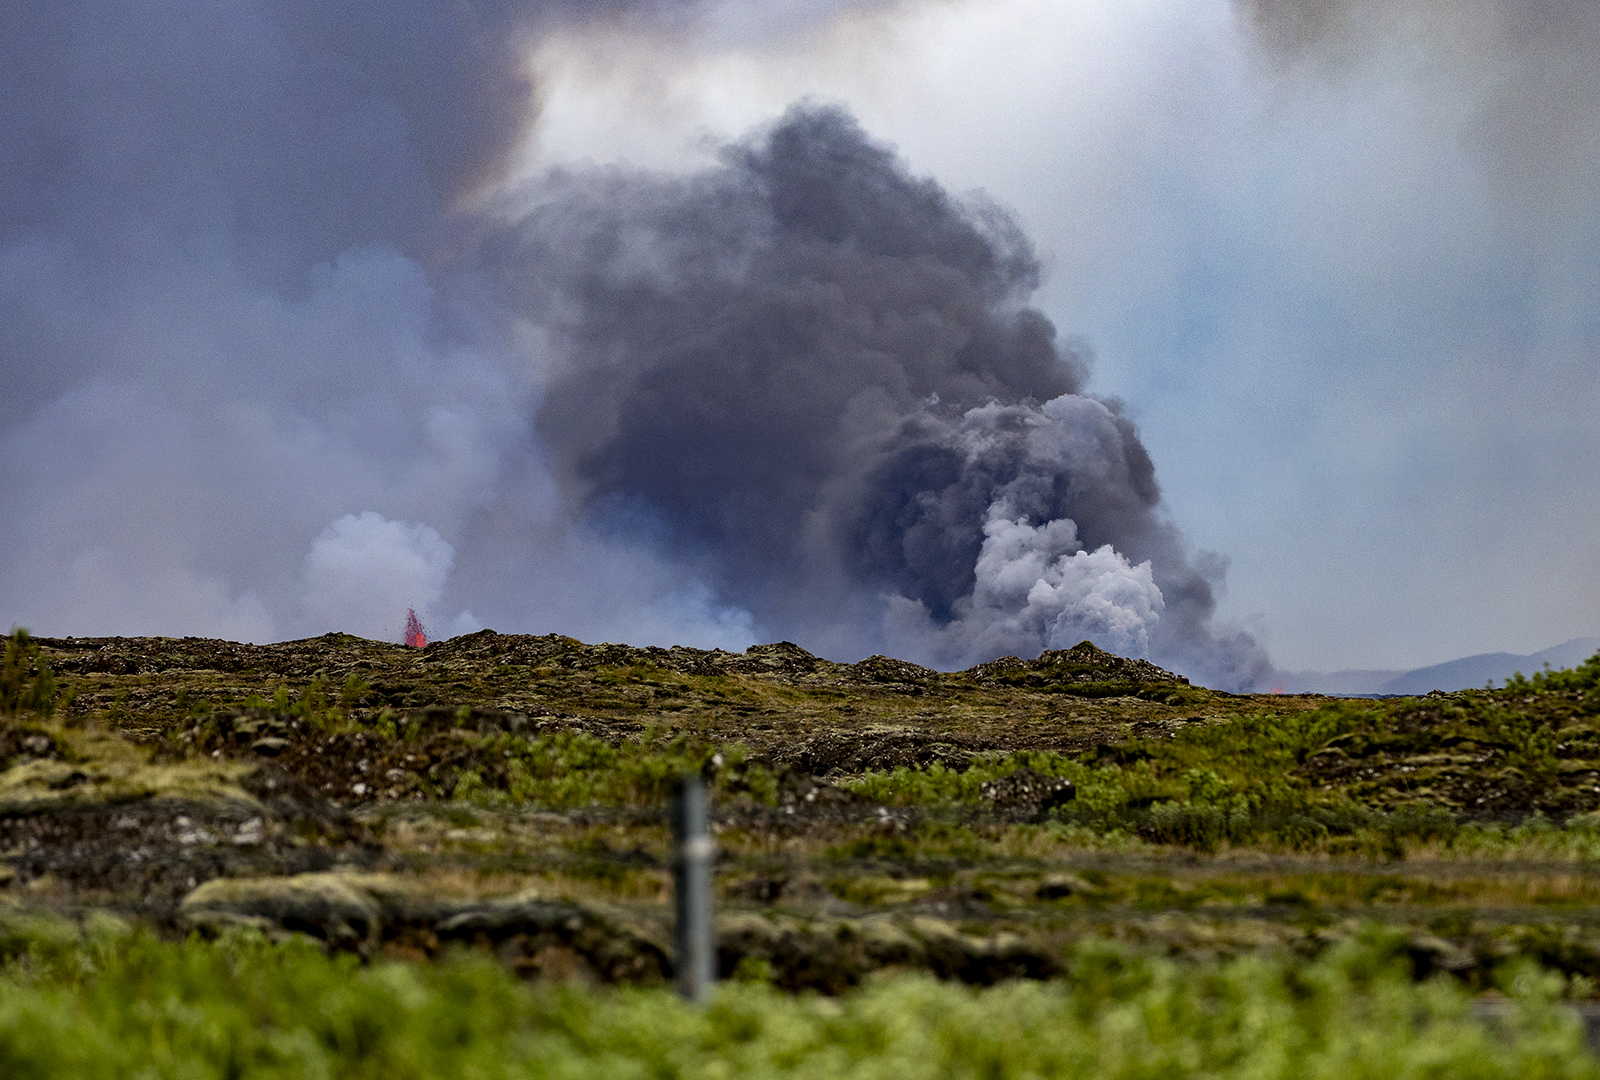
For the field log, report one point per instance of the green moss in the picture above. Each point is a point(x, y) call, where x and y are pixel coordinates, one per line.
point(93, 769)
point(571, 769)
point(1372, 777)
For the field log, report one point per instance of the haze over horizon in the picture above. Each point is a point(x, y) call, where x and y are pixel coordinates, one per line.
point(1215, 331)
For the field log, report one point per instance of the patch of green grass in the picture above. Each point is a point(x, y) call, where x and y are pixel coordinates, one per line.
point(886, 846)
point(1353, 776)
point(27, 685)
point(312, 703)
point(1583, 680)
point(113, 1004)
point(571, 769)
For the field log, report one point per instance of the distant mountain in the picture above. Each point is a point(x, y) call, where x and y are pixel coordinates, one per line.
point(1474, 671)
point(1470, 672)
point(1353, 683)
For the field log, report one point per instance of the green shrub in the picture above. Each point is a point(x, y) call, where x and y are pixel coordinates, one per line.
point(570, 768)
point(26, 682)
point(1255, 778)
point(1585, 677)
point(241, 1007)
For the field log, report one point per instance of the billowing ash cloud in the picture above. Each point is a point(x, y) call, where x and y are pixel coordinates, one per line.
point(814, 377)
point(274, 366)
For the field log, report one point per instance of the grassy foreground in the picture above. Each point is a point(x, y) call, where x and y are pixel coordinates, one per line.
point(338, 857)
point(115, 1003)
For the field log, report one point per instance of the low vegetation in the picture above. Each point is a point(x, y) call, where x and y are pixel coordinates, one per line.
point(117, 1003)
point(27, 685)
point(1473, 768)
point(212, 832)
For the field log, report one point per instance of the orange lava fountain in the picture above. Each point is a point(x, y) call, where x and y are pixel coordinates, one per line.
point(416, 633)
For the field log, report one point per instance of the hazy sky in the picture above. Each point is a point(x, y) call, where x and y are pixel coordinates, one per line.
point(1339, 263)
point(1351, 294)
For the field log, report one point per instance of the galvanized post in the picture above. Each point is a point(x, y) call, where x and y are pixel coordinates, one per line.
point(691, 872)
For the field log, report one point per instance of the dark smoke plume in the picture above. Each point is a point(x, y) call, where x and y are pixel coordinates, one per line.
point(275, 363)
point(814, 377)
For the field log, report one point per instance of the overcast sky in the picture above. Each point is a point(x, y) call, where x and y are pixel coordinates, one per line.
point(1350, 296)
point(1342, 271)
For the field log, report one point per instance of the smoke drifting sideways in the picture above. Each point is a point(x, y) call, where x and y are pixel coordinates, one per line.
point(230, 357)
point(1525, 73)
point(814, 377)
point(274, 366)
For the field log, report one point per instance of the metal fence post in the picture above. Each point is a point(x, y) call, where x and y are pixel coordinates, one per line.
point(691, 872)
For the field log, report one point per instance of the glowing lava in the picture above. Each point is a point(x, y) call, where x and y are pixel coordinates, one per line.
point(416, 633)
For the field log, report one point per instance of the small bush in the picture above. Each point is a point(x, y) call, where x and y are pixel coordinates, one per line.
point(568, 769)
point(1585, 677)
point(114, 1004)
point(26, 682)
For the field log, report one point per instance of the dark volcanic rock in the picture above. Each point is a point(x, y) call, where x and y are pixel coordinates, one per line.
point(1027, 793)
point(1083, 663)
point(839, 752)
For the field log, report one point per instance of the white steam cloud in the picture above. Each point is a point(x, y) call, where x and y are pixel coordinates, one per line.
point(1037, 589)
point(1036, 586)
point(364, 571)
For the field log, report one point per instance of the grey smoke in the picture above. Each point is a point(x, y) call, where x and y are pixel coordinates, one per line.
point(222, 323)
point(815, 377)
point(271, 367)
point(1525, 71)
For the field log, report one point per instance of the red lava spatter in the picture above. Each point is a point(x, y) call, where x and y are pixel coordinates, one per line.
point(416, 633)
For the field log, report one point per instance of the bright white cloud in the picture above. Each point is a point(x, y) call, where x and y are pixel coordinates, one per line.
point(1036, 588)
point(365, 571)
